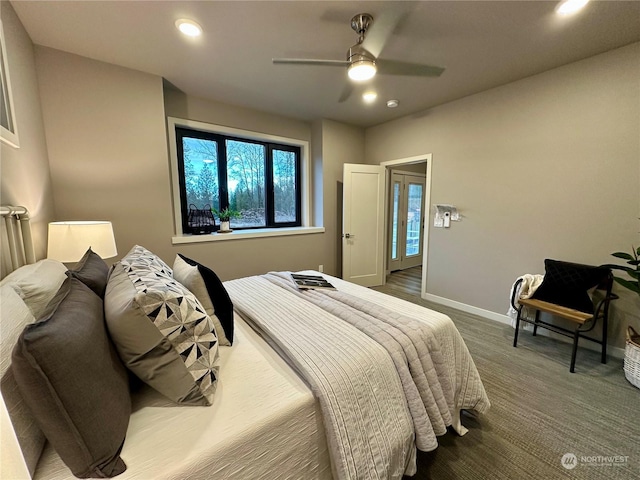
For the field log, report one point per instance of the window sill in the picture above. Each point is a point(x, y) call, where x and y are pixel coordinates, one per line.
point(244, 234)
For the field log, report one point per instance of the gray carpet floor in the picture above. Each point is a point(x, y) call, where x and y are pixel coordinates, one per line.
point(539, 411)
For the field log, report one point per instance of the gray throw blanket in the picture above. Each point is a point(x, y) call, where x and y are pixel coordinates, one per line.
point(380, 376)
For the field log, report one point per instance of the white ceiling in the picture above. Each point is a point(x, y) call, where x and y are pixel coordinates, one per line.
point(482, 44)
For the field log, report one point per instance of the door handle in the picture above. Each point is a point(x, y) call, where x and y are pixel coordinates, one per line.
point(348, 235)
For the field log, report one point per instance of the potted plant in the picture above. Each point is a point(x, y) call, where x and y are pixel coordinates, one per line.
point(632, 349)
point(633, 270)
point(225, 215)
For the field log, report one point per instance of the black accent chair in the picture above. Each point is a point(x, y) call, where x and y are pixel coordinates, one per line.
point(565, 293)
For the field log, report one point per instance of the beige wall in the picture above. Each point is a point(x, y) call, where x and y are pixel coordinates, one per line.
point(546, 167)
point(179, 105)
point(233, 259)
point(107, 147)
point(24, 171)
point(340, 144)
point(106, 130)
point(331, 145)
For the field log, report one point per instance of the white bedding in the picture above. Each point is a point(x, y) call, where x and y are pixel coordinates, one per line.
point(330, 336)
point(264, 424)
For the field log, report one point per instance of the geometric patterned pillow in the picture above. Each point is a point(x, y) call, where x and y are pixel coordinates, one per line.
point(161, 331)
point(141, 257)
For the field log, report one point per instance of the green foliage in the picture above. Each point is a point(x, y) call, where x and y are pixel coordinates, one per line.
point(633, 270)
point(226, 214)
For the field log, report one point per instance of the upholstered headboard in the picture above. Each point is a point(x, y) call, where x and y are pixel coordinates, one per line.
point(16, 243)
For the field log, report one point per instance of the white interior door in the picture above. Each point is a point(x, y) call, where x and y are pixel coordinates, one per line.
point(363, 224)
point(406, 225)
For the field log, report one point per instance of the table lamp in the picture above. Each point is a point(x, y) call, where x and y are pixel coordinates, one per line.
point(68, 241)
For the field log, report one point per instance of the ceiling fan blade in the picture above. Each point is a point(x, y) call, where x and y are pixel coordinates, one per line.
point(310, 61)
point(383, 26)
point(346, 92)
point(395, 67)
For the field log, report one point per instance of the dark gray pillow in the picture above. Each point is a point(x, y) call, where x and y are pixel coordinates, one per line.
point(74, 383)
point(92, 271)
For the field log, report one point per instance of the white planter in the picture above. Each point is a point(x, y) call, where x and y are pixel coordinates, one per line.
point(224, 226)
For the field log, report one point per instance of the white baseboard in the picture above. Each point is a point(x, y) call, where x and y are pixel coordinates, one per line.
point(612, 350)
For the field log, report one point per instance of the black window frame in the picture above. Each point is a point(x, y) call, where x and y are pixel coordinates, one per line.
point(220, 140)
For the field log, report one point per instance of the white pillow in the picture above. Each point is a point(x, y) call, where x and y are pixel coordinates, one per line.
point(37, 284)
point(189, 273)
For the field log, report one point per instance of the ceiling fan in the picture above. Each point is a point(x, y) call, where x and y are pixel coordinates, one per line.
point(363, 60)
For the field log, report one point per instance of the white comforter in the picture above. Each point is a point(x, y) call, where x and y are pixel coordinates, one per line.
point(380, 372)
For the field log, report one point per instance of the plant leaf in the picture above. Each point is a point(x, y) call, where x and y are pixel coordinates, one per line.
point(619, 267)
point(624, 255)
point(633, 286)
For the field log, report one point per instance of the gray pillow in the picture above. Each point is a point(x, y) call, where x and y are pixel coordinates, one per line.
point(15, 316)
point(92, 271)
point(74, 383)
point(161, 330)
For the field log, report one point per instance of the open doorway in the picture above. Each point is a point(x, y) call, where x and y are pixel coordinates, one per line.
point(407, 222)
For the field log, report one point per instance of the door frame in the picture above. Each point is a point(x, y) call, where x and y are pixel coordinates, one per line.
point(424, 158)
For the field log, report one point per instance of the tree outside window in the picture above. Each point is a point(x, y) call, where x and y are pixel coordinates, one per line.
point(259, 179)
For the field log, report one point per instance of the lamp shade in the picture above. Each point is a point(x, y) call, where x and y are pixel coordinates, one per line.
point(68, 241)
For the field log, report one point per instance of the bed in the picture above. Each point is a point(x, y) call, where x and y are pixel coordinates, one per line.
point(279, 407)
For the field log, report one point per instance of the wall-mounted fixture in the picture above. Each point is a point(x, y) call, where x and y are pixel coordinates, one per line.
point(445, 214)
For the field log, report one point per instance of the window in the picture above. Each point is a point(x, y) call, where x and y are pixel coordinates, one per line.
point(259, 179)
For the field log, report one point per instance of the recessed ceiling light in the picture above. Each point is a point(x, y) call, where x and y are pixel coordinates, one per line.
point(369, 97)
point(189, 27)
point(568, 7)
point(393, 103)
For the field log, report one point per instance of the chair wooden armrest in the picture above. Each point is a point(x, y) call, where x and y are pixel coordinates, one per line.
point(567, 313)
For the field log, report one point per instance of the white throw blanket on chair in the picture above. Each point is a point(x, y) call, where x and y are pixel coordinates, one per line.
point(525, 289)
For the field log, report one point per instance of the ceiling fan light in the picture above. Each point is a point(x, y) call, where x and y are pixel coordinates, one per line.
point(362, 70)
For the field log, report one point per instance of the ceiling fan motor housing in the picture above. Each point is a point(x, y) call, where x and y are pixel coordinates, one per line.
point(359, 54)
point(362, 64)
point(360, 24)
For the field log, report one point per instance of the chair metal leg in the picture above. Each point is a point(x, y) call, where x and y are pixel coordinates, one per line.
point(576, 336)
point(604, 339)
point(535, 325)
point(515, 335)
